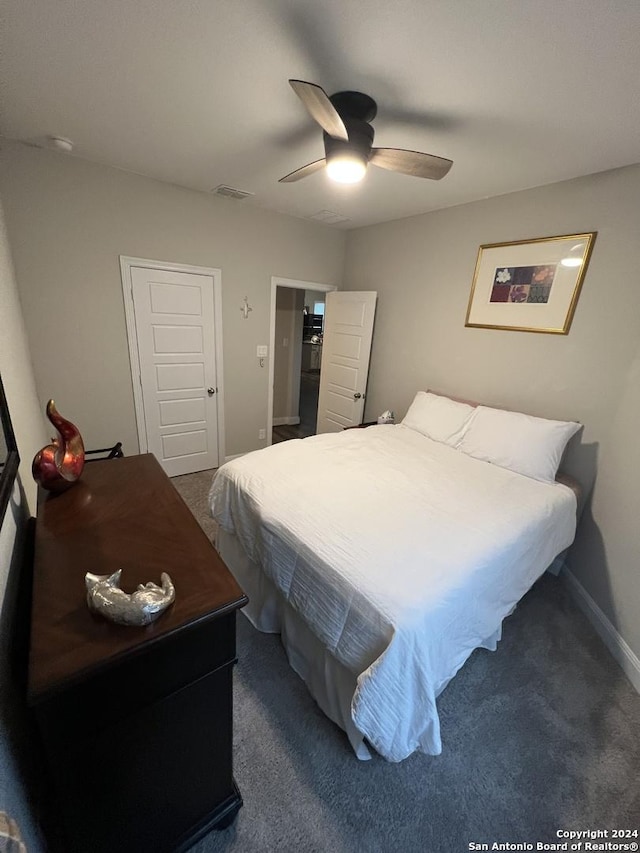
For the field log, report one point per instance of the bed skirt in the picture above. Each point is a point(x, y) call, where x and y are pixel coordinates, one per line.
point(330, 683)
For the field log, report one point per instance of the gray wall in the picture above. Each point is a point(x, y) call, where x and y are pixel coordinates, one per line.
point(422, 268)
point(68, 222)
point(28, 425)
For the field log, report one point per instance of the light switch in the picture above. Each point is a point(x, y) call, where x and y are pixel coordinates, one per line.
point(262, 352)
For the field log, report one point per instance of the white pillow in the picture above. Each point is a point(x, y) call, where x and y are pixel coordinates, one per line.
point(522, 443)
point(438, 417)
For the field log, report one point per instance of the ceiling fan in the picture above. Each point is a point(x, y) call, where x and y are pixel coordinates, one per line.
point(348, 139)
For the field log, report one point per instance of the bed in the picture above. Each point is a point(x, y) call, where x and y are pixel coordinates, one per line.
point(384, 556)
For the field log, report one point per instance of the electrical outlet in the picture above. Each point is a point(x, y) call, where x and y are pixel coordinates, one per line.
point(262, 433)
point(262, 351)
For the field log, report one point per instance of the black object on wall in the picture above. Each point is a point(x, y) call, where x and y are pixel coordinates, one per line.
point(9, 458)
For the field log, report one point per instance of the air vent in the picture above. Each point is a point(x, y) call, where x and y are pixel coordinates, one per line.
point(329, 217)
point(230, 192)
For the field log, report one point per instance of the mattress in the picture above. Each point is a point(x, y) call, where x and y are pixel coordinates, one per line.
point(402, 555)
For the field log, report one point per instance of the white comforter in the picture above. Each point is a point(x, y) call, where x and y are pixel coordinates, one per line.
point(402, 555)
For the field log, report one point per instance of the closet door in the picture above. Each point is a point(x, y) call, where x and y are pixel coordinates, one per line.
point(175, 332)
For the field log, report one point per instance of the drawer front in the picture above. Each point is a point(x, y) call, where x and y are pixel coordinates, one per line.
point(140, 786)
point(88, 707)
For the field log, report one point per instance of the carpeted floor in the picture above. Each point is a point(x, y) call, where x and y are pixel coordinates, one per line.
point(540, 736)
point(194, 489)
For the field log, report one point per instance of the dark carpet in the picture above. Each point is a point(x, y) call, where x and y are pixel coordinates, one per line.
point(540, 736)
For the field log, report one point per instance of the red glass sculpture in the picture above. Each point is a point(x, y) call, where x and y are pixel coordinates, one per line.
point(58, 465)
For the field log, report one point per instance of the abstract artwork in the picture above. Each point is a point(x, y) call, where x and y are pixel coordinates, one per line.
point(523, 284)
point(529, 285)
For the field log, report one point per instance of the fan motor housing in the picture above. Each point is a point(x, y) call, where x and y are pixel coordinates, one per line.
point(354, 105)
point(356, 110)
point(360, 139)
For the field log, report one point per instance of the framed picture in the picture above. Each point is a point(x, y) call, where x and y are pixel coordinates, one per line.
point(529, 285)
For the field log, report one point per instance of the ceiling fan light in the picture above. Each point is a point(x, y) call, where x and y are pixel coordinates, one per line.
point(346, 168)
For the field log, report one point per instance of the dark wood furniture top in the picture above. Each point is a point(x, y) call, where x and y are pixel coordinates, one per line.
point(145, 528)
point(362, 425)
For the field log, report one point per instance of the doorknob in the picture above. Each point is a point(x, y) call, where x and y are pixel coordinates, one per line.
point(211, 391)
point(357, 395)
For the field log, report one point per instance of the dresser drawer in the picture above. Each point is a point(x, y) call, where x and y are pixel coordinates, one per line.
point(127, 685)
point(138, 783)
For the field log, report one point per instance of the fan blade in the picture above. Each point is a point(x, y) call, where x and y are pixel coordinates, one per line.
point(411, 162)
point(320, 107)
point(303, 171)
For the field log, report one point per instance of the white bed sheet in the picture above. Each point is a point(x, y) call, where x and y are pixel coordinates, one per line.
point(402, 570)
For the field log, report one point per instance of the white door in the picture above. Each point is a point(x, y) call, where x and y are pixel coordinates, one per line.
point(348, 329)
point(174, 320)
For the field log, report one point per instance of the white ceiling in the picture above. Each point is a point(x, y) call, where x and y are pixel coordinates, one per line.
point(518, 93)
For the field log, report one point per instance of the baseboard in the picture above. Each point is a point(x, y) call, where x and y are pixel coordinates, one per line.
point(617, 645)
point(235, 456)
point(286, 421)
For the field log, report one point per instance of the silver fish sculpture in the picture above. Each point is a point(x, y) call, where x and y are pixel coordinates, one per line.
point(141, 607)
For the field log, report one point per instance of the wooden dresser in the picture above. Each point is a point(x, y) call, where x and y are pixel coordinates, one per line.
point(135, 723)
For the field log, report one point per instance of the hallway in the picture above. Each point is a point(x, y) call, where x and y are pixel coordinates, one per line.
point(309, 389)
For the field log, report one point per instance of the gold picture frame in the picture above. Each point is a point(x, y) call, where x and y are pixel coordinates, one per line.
point(529, 285)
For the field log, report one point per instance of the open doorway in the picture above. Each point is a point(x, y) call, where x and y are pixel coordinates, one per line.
point(297, 326)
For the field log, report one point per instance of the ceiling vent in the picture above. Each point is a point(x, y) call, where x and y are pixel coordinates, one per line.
point(230, 192)
point(328, 217)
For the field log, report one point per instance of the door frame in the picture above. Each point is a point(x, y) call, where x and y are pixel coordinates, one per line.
point(296, 284)
point(126, 265)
